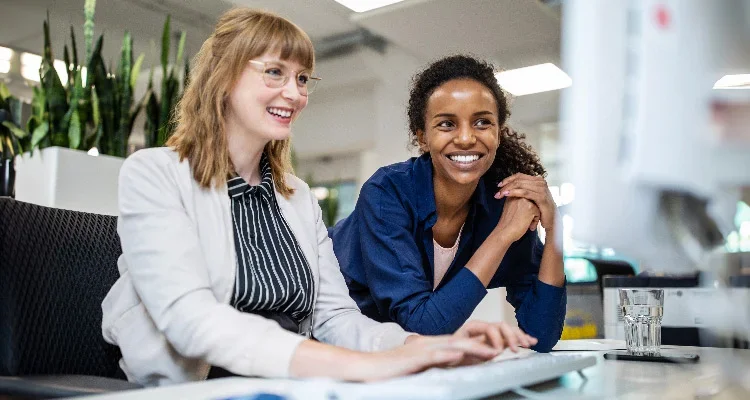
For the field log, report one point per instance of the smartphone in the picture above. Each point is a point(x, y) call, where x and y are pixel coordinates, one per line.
point(665, 357)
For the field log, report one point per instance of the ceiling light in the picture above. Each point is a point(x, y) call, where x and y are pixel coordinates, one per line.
point(62, 71)
point(366, 5)
point(5, 53)
point(533, 79)
point(4, 66)
point(741, 81)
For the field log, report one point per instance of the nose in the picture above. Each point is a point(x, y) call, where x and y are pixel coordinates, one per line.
point(464, 137)
point(290, 90)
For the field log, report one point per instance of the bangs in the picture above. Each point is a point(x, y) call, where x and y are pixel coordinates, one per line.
point(289, 42)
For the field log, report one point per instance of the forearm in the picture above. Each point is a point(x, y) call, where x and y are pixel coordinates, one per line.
point(487, 258)
point(551, 269)
point(315, 359)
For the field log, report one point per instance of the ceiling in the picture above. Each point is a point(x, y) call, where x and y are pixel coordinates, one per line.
point(511, 33)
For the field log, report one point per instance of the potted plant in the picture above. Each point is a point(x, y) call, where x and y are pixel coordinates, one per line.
point(11, 136)
point(95, 115)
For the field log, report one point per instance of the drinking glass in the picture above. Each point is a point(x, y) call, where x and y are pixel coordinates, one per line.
point(642, 311)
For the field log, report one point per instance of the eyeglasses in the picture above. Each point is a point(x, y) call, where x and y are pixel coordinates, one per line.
point(276, 75)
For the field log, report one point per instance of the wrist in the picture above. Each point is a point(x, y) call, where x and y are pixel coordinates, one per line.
point(412, 338)
point(501, 238)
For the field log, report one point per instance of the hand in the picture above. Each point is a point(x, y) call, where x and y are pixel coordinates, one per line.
point(519, 215)
point(532, 188)
point(421, 353)
point(499, 335)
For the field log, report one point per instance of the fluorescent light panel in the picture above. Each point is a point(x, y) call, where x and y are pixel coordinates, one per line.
point(533, 79)
point(5, 54)
point(741, 81)
point(366, 5)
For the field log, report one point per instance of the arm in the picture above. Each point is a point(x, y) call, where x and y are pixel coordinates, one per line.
point(338, 320)
point(540, 306)
point(392, 262)
point(170, 274)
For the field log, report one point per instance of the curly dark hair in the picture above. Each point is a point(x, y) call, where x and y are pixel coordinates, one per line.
point(513, 154)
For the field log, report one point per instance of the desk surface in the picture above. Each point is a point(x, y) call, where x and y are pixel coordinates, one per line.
point(717, 376)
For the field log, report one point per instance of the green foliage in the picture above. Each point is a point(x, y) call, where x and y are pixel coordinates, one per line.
point(100, 112)
point(160, 109)
point(12, 137)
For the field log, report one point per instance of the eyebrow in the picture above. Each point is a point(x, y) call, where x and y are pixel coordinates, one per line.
point(476, 114)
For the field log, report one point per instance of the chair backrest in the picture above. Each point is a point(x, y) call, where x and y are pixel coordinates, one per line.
point(56, 267)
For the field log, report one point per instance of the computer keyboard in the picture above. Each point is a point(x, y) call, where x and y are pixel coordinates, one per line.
point(471, 382)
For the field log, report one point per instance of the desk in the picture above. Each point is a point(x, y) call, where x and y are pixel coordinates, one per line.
point(606, 380)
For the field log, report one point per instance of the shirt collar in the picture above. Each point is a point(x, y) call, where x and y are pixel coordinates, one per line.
point(239, 188)
point(425, 189)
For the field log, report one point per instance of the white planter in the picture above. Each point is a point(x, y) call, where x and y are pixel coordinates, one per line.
point(71, 179)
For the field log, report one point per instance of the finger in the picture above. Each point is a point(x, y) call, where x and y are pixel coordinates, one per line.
point(537, 197)
point(522, 338)
point(471, 348)
point(488, 332)
point(513, 178)
point(534, 224)
point(532, 340)
point(537, 190)
point(510, 336)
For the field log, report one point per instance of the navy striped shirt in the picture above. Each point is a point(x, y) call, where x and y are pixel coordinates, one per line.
point(272, 272)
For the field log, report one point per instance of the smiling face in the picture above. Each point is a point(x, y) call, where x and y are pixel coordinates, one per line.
point(265, 112)
point(461, 131)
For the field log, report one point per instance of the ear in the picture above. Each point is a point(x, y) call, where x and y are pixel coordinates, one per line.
point(422, 140)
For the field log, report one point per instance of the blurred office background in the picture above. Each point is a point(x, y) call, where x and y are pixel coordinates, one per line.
point(355, 121)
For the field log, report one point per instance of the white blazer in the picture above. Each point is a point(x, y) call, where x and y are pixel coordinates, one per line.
point(169, 311)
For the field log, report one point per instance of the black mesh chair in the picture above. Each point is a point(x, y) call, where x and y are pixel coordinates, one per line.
point(56, 266)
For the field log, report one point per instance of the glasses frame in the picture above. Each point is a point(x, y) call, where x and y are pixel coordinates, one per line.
point(310, 88)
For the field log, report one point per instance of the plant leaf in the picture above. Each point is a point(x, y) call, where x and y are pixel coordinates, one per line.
point(74, 129)
point(39, 133)
point(73, 48)
point(4, 92)
point(88, 28)
point(165, 43)
point(18, 132)
point(180, 50)
point(136, 70)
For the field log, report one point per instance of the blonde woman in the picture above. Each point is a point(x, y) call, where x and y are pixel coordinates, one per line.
point(226, 266)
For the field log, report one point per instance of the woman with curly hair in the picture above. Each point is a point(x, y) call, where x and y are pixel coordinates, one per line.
point(429, 235)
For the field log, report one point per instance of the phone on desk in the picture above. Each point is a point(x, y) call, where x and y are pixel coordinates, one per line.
point(666, 357)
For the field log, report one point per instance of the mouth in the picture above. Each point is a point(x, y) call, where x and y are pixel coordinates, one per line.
point(281, 114)
point(465, 160)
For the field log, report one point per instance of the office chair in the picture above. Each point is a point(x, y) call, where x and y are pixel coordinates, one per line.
point(56, 266)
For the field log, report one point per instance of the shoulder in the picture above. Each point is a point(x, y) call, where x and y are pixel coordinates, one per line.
point(397, 179)
point(152, 157)
point(157, 164)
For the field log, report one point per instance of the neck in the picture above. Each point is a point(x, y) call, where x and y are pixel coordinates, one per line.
point(245, 151)
point(452, 199)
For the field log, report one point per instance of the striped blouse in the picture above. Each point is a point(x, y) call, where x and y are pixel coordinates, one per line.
point(272, 272)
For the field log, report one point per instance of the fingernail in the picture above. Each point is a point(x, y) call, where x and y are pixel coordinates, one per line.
point(507, 192)
point(498, 195)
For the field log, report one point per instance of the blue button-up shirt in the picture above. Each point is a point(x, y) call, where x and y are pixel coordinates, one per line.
point(385, 249)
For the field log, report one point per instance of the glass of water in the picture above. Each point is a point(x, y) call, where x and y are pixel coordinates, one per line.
point(642, 311)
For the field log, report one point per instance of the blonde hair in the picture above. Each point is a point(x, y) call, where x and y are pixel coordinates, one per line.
point(240, 35)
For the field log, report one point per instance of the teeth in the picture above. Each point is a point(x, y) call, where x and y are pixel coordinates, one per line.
point(464, 159)
point(280, 112)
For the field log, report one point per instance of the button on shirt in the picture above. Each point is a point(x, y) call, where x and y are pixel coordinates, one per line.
point(272, 272)
point(386, 252)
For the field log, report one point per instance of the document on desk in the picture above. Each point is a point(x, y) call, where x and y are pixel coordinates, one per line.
point(589, 345)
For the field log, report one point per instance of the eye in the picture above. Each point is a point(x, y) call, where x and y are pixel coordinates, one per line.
point(303, 78)
point(445, 124)
point(274, 72)
point(483, 123)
